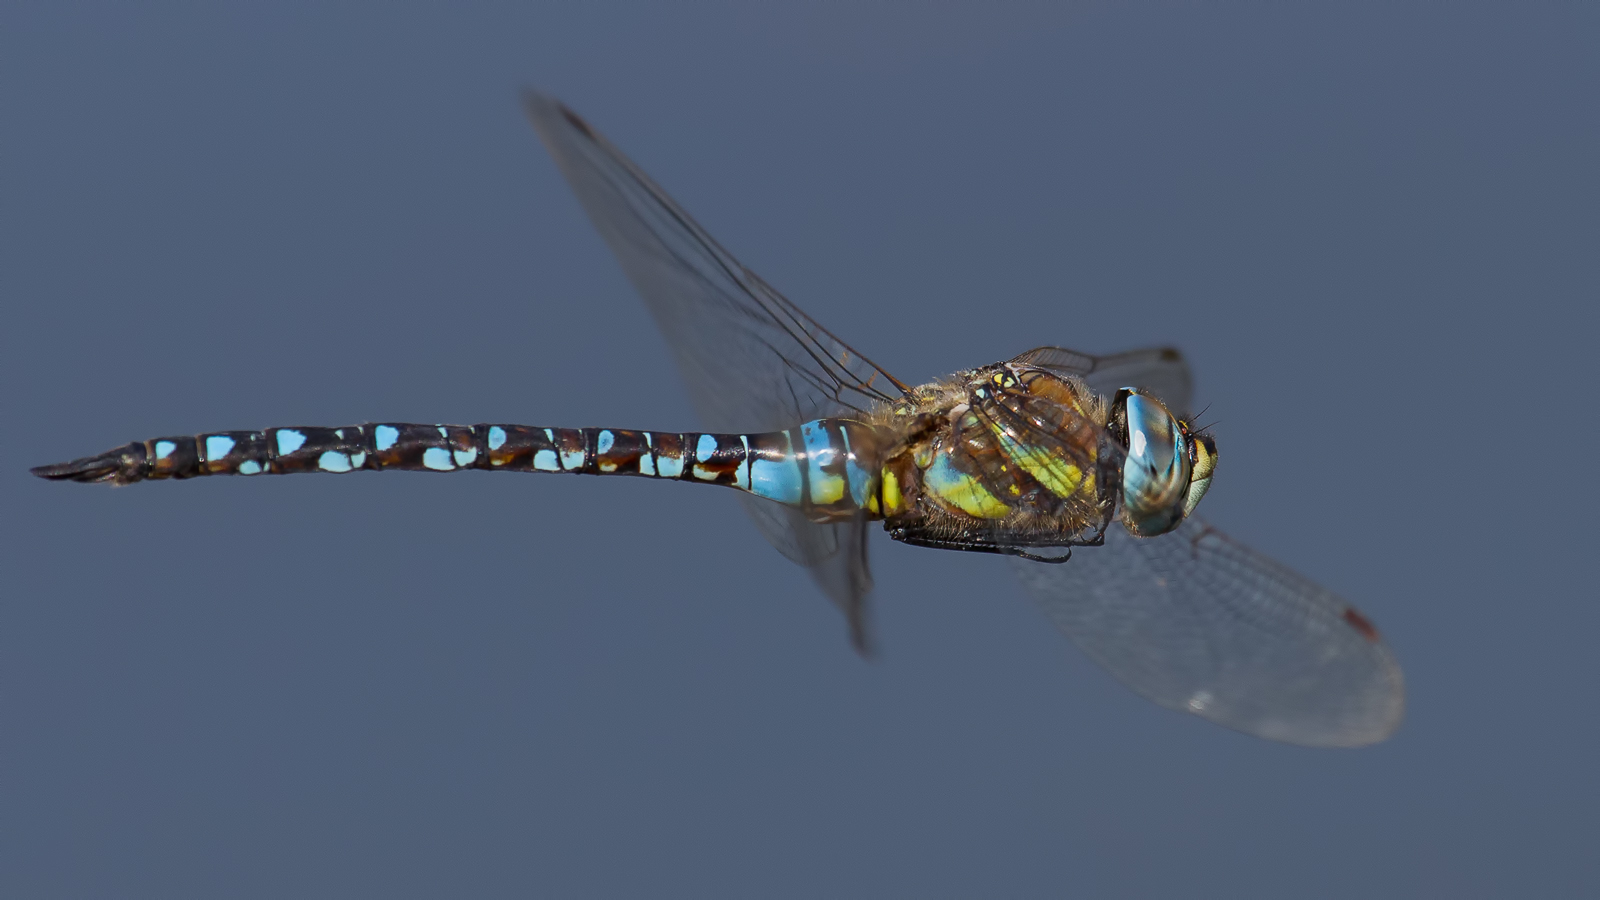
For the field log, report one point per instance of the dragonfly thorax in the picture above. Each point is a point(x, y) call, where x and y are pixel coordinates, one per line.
point(999, 456)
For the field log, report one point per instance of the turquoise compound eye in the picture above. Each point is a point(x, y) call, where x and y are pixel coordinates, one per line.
point(1156, 472)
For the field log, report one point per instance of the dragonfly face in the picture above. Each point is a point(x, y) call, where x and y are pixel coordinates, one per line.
point(1168, 467)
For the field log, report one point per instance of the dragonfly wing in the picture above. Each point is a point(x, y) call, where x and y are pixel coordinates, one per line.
point(835, 555)
point(752, 360)
point(1200, 623)
point(1160, 370)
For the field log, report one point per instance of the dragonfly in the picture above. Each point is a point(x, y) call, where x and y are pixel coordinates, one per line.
point(1085, 470)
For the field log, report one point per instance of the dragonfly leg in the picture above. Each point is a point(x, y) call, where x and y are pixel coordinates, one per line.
point(997, 544)
point(1044, 559)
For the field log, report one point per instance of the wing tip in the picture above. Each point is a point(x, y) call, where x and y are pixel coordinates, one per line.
point(861, 638)
point(544, 110)
point(1372, 720)
point(1361, 624)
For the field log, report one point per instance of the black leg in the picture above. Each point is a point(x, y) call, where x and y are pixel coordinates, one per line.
point(917, 538)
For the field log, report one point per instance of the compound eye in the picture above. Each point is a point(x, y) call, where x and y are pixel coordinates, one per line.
point(1155, 475)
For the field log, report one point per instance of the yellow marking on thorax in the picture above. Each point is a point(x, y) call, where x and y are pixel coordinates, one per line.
point(1059, 476)
point(962, 491)
point(893, 501)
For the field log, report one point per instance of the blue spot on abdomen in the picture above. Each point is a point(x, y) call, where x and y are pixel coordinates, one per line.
point(437, 459)
point(333, 461)
point(289, 441)
point(778, 481)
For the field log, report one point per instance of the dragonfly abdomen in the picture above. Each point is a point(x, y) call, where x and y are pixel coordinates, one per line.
point(813, 467)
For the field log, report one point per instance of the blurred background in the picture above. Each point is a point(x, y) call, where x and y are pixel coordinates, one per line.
point(1372, 228)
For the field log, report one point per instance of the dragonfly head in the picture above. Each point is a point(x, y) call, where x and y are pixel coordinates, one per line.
point(1168, 467)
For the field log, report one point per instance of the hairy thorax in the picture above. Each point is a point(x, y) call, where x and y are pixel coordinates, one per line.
point(1004, 453)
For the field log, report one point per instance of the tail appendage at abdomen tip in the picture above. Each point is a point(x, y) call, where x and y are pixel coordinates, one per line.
point(811, 467)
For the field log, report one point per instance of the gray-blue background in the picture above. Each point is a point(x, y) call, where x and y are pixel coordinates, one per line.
point(1372, 227)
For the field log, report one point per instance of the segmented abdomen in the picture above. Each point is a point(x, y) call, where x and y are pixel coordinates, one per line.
point(813, 467)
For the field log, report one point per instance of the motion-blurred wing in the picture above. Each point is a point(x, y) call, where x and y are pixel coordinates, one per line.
point(1160, 370)
point(753, 361)
point(1200, 623)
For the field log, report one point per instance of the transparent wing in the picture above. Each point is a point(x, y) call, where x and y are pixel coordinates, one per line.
point(1200, 623)
point(752, 360)
point(1160, 370)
